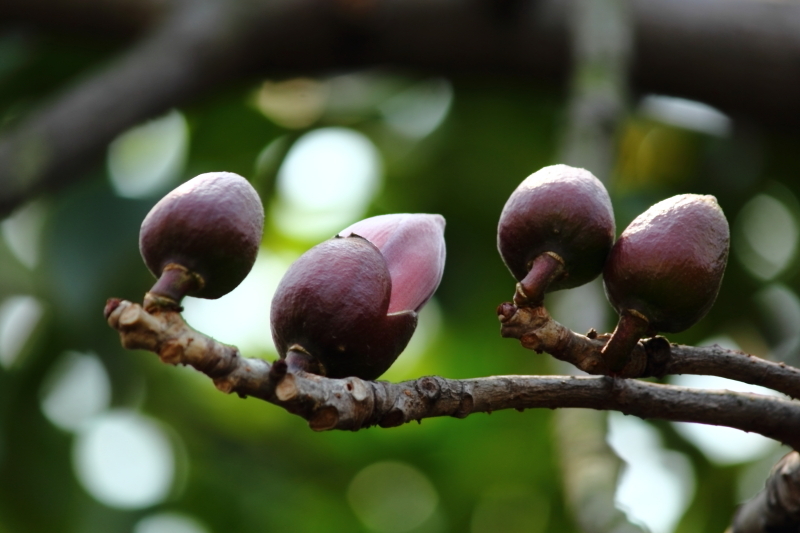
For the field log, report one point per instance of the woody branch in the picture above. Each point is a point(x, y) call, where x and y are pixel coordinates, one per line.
point(353, 403)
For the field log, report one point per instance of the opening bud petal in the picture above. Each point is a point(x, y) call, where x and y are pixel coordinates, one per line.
point(413, 246)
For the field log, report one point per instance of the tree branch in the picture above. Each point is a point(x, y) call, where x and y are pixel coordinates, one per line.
point(776, 509)
point(353, 403)
point(655, 357)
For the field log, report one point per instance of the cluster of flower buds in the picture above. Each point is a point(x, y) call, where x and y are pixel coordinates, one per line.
point(662, 275)
point(347, 307)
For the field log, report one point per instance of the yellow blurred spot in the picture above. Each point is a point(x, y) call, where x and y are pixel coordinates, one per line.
point(392, 497)
point(654, 155)
point(510, 509)
point(295, 103)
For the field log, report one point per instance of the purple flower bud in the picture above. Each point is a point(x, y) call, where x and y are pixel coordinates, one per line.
point(202, 238)
point(665, 271)
point(555, 231)
point(348, 306)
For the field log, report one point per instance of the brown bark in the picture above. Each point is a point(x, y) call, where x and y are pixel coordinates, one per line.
point(354, 404)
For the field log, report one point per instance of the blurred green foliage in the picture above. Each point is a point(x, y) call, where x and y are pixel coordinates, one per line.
point(247, 466)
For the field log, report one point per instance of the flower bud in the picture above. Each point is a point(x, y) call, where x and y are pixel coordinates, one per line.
point(348, 306)
point(665, 271)
point(413, 246)
point(555, 231)
point(202, 238)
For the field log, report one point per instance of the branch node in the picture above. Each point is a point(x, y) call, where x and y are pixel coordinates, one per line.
point(171, 352)
point(395, 417)
point(658, 356)
point(277, 371)
point(111, 305)
point(357, 389)
point(287, 389)
point(506, 311)
point(129, 316)
point(429, 388)
point(465, 406)
point(224, 384)
point(324, 418)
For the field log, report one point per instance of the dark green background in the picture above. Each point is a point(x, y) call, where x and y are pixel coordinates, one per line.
point(250, 467)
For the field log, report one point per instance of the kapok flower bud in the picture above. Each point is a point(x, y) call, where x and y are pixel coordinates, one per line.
point(348, 306)
point(665, 271)
point(202, 238)
point(555, 231)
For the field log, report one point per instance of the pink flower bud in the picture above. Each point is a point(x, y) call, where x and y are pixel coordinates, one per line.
point(413, 246)
point(348, 306)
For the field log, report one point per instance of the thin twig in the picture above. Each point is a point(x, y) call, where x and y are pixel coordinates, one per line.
point(656, 357)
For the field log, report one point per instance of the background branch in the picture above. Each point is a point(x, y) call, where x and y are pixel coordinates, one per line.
point(777, 508)
point(738, 55)
point(51, 148)
point(113, 18)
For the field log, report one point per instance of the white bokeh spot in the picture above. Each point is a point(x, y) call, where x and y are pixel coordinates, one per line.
point(169, 522)
point(76, 389)
point(124, 460)
point(19, 316)
point(326, 182)
point(723, 445)
point(657, 485)
point(22, 232)
point(242, 317)
point(148, 158)
point(688, 114)
point(765, 236)
point(392, 497)
point(417, 111)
